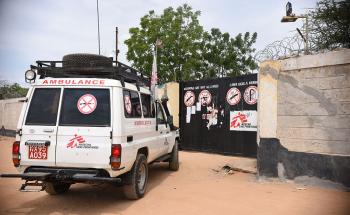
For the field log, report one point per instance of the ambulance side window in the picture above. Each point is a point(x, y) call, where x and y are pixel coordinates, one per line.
point(146, 106)
point(132, 105)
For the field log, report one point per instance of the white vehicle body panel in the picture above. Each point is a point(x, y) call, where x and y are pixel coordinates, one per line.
point(36, 133)
point(97, 157)
point(96, 146)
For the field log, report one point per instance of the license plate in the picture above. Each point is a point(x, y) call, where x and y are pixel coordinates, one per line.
point(37, 152)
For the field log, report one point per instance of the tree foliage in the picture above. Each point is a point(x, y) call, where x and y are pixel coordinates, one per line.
point(330, 25)
point(225, 56)
point(8, 91)
point(188, 52)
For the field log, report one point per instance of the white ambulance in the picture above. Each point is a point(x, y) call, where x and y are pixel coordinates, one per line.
point(88, 119)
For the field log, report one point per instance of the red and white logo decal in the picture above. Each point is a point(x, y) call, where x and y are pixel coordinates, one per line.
point(204, 97)
point(189, 98)
point(238, 119)
point(233, 96)
point(75, 141)
point(78, 142)
point(87, 104)
point(245, 120)
point(127, 104)
point(251, 95)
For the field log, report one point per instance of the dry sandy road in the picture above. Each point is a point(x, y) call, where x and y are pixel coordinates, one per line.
point(194, 189)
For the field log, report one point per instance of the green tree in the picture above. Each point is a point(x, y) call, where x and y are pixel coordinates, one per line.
point(8, 91)
point(180, 33)
point(188, 52)
point(330, 25)
point(225, 56)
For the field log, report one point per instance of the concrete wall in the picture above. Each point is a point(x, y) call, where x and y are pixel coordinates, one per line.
point(171, 90)
point(314, 109)
point(10, 110)
point(304, 104)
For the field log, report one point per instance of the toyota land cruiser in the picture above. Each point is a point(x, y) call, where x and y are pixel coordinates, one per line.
point(88, 119)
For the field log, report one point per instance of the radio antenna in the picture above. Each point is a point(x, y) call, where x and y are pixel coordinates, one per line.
point(98, 29)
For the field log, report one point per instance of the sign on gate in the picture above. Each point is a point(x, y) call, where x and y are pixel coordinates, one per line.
point(243, 120)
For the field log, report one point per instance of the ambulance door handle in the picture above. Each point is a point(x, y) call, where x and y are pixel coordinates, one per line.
point(48, 130)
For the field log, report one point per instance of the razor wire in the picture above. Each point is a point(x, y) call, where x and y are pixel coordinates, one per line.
point(280, 49)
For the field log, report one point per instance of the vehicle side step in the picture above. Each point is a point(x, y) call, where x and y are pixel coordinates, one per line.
point(32, 184)
point(163, 158)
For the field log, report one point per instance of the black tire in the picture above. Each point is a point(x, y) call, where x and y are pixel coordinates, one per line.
point(86, 60)
point(56, 188)
point(174, 159)
point(134, 189)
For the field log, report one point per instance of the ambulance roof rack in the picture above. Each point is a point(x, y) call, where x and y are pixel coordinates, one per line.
point(116, 70)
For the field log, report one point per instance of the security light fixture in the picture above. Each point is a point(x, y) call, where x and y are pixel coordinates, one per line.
point(289, 9)
point(291, 17)
point(30, 76)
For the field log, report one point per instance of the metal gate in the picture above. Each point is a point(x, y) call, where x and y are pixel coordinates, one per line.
point(219, 115)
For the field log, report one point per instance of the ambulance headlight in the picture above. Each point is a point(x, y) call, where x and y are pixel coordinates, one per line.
point(30, 75)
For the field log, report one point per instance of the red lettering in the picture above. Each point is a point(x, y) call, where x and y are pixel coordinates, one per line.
point(74, 82)
point(142, 123)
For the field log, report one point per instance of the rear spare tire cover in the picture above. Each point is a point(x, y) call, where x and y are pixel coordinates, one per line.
point(86, 60)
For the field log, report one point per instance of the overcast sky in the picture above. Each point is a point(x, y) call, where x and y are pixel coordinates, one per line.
point(33, 30)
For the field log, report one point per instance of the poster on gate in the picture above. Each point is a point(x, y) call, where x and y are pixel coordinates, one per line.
point(245, 120)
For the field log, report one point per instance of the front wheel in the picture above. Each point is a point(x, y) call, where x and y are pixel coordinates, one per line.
point(138, 177)
point(174, 159)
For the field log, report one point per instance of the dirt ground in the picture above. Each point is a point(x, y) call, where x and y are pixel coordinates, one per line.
point(194, 189)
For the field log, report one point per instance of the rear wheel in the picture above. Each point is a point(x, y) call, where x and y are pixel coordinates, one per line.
point(137, 179)
point(174, 159)
point(53, 188)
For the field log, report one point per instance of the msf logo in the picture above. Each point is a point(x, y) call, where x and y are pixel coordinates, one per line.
point(238, 120)
point(75, 141)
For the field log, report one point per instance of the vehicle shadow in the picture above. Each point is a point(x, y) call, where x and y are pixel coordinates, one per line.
point(89, 199)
